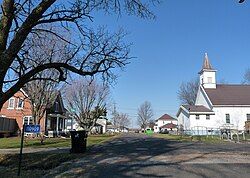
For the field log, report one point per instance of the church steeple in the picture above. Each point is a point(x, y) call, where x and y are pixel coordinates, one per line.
point(206, 63)
point(207, 74)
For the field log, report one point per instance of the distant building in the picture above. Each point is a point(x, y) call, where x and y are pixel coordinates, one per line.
point(99, 128)
point(216, 106)
point(165, 122)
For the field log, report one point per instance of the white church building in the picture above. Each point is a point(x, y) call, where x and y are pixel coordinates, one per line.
point(217, 105)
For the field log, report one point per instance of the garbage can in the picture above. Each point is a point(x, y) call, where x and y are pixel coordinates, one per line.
point(78, 141)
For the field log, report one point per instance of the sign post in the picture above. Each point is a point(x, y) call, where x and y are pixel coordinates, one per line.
point(21, 152)
point(29, 129)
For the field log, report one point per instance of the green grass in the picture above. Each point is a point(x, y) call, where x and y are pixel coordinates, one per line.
point(37, 164)
point(205, 139)
point(14, 142)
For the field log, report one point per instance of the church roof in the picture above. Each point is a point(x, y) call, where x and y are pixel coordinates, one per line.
point(196, 108)
point(229, 94)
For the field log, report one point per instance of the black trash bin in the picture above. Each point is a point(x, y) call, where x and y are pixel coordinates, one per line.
point(78, 141)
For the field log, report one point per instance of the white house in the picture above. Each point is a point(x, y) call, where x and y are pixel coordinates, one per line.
point(165, 122)
point(216, 105)
point(117, 129)
point(100, 126)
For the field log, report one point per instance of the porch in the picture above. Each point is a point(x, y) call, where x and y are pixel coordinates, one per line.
point(56, 125)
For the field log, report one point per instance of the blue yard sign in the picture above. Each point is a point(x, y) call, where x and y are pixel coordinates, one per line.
point(32, 128)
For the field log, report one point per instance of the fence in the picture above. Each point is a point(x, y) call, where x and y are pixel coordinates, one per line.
point(7, 126)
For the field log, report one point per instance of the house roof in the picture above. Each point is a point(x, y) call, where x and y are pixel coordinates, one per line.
point(166, 117)
point(169, 126)
point(197, 108)
point(229, 94)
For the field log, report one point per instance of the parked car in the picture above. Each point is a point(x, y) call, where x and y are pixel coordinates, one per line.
point(165, 131)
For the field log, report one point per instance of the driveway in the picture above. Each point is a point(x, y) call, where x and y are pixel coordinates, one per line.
point(137, 155)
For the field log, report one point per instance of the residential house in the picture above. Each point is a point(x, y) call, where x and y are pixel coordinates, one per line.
point(165, 122)
point(19, 108)
point(117, 129)
point(100, 126)
point(112, 128)
point(217, 105)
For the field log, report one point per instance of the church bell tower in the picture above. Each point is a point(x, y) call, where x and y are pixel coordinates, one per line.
point(207, 74)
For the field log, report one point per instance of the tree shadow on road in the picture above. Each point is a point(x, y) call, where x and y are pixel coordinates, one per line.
point(145, 157)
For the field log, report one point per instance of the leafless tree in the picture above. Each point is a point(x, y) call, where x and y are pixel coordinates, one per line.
point(124, 120)
point(188, 91)
point(121, 120)
point(88, 51)
point(144, 114)
point(43, 91)
point(41, 94)
point(86, 101)
point(246, 77)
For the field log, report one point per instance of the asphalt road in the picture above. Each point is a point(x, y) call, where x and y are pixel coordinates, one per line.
point(137, 155)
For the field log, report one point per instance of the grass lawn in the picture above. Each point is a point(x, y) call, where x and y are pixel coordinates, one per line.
point(209, 139)
point(37, 164)
point(14, 142)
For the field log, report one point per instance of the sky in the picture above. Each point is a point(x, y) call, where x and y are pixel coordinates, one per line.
point(170, 50)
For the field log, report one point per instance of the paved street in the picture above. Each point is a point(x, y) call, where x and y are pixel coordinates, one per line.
point(137, 155)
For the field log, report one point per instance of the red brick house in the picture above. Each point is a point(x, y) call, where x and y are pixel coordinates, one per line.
point(19, 107)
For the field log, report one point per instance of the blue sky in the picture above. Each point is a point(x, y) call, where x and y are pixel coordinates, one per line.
point(170, 50)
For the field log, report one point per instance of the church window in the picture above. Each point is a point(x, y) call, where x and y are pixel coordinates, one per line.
point(209, 79)
point(248, 117)
point(197, 116)
point(227, 118)
point(208, 117)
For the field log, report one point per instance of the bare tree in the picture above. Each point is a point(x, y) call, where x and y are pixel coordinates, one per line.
point(88, 51)
point(86, 101)
point(41, 94)
point(42, 91)
point(246, 77)
point(144, 114)
point(124, 120)
point(188, 91)
point(121, 120)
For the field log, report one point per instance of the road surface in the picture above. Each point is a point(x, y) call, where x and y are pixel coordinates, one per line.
point(138, 155)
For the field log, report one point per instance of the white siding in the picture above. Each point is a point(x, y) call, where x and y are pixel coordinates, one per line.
point(206, 76)
point(203, 122)
point(183, 119)
point(201, 99)
point(102, 122)
point(238, 115)
point(160, 123)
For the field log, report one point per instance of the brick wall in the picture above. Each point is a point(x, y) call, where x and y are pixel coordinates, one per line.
point(19, 113)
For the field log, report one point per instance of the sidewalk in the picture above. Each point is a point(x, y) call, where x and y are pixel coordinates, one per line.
point(35, 150)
